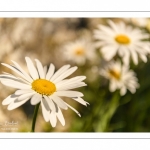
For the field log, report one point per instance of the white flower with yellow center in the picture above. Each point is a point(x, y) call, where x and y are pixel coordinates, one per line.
point(79, 51)
point(43, 85)
point(122, 40)
point(120, 77)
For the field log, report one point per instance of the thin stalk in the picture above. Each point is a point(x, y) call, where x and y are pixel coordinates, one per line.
point(35, 116)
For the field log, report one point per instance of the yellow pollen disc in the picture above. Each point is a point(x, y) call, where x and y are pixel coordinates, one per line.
point(122, 39)
point(79, 51)
point(43, 87)
point(115, 74)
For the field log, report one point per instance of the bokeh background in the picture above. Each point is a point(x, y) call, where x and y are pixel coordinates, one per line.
point(44, 39)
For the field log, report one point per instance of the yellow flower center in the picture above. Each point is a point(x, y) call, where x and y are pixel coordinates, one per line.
point(79, 51)
point(122, 39)
point(115, 74)
point(43, 87)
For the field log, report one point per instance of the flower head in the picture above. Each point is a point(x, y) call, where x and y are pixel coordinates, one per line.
point(79, 51)
point(140, 22)
point(43, 85)
point(120, 77)
point(122, 40)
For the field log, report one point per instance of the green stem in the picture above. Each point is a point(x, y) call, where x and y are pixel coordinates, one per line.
point(35, 116)
point(108, 113)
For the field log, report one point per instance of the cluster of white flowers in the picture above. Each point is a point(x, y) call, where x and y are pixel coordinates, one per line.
point(114, 41)
point(119, 40)
point(119, 45)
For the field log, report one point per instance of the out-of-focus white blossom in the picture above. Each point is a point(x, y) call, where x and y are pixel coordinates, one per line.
point(79, 51)
point(120, 77)
point(122, 40)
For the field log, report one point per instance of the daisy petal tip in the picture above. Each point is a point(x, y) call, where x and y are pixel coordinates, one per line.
point(27, 58)
point(36, 60)
point(87, 103)
point(63, 124)
point(9, 108)
point(66, 108)
point(3, 64)
point(3, 103)
point(53, 126)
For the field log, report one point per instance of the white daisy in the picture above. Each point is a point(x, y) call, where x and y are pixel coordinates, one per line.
point(120, 77)
point(122, 40)
point(79, 51)
point(140, 22)
point(45, 86)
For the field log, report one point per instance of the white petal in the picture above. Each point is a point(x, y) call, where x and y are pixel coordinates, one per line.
point(73, 109)
point(40, 69)
point(80, 100)
point(16, 104)
point(112, 86)
point(59, 72)
point(77, 79)
point(66, 82)
point(123, 91)
point(53, 119)
point(10, 78)
point(16, 84)
point(65, 74)
point(69, 93)
point(25, 96)
point(45, 110)
point(19, 92)
point(32, 70)
point(9, 99)
point(7, 76)
point(107, 30)
point(113, 25)
point(59, 102)
point(50, 72)
point(36, 99)
point(15, 70)
point(134, 57)
point(69, 87)
point(126, 55)
point(25, 74)
point(109, 52)
point(50, 103)
point(143, 57)
point(60, 117)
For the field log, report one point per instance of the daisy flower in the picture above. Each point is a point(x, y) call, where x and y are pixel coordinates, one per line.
point(122, 40)
point(140, 22)
point(120, 77)
point(43, 85)
point(79, 51)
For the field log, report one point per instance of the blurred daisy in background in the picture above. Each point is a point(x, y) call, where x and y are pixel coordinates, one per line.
point(79, 51)
point(122, 40)
point(120, 77)
point(140, 22)
point(43, 85)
